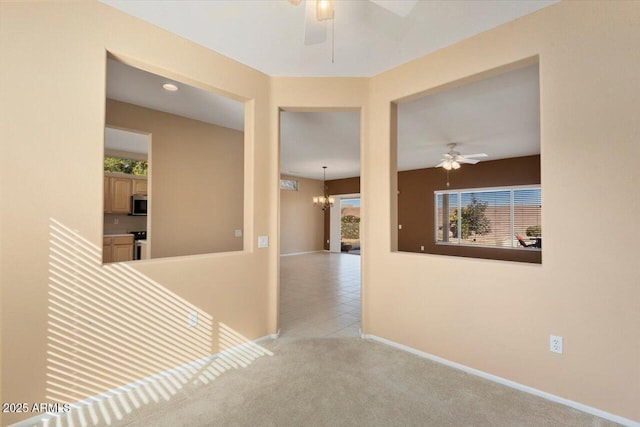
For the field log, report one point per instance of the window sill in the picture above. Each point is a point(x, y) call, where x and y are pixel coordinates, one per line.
point(527, 255)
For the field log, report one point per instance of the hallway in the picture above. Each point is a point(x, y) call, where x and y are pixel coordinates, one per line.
point(320, 295)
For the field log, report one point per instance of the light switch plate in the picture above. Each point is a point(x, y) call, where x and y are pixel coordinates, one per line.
point(263, 241)
point(238, 233)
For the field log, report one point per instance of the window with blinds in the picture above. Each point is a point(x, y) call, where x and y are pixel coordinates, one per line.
point(289, 184)
point(505, 217)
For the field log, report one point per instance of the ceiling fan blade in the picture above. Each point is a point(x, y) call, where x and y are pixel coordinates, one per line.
point(400, 8)
point(463, 159)
point(471, 156)
point(442, 162)
point(314, 31)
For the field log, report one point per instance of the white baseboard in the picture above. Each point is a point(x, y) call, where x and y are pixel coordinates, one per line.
point(570, 403)
point(302, 253)
point(268, 337)
point(48, 419)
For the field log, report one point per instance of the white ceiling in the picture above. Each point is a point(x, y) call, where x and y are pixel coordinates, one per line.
point(309, 141)
point(498, 116)
point(268, 35)
point(122, 140)
point(135, 86)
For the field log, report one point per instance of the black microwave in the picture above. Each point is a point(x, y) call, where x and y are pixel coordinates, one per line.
point(138, 204)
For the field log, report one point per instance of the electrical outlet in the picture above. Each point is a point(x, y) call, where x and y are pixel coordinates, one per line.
point(193, 319)
point(555, 344)
point(238, 233)
point(399, 226)
point(263, 241)
point(116, 221)
point(422, 248)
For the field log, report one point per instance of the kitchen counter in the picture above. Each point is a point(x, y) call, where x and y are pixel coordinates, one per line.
point(119, 235)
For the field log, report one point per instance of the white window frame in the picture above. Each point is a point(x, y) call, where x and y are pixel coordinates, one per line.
point(459, 192)
point(289, 184)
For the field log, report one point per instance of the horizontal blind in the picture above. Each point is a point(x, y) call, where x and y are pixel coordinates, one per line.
point(527, 214)
point(446, 209)
point(492, 217)
point(486, 218)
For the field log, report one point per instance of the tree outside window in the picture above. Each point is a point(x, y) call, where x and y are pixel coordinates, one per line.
point(128, 166)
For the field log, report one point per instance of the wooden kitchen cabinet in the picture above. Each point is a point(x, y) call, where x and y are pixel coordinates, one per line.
point(107, 195)
point(139, 186)
point(107, 243)
point(117, 249)
point(120, 195)
point(118, 190)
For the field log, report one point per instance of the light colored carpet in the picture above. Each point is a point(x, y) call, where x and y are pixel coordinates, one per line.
point(352, 382)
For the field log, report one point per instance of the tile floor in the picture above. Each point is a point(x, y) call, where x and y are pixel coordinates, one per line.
point(320, 295)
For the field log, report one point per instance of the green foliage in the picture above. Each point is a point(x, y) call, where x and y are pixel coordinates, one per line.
point(534, 231)
point(350, 219)
point(350, 227)
point(474, 220)
point(129, 166)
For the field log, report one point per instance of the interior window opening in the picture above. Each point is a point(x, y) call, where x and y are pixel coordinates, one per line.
point(467, 162)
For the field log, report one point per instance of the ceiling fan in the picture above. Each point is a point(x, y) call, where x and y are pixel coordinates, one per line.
point(318, 12)
point(453, 159)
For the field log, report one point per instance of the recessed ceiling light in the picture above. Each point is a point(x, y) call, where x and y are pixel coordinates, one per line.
point(170, 87)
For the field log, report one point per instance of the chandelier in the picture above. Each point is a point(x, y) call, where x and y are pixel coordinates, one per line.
point(324, 202)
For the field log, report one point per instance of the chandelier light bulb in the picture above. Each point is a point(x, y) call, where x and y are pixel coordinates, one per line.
point(324, 202)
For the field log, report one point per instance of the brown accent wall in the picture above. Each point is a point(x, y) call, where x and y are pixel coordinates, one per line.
point(416, 204)
point(335, 187)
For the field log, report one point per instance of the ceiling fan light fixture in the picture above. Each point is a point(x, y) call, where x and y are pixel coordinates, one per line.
point(450, 164)
point(324, 10)
point(453, 159)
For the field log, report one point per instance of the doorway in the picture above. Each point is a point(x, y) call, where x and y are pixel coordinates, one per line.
point(345, 224)
point(319, 292)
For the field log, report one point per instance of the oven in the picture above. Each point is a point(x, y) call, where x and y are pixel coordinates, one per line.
point(139, 239)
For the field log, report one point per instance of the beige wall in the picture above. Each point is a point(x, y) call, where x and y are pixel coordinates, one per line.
point(498, 322)
point(196, 184)
point(301, 223)
point(497, 316)
point(52, 110)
